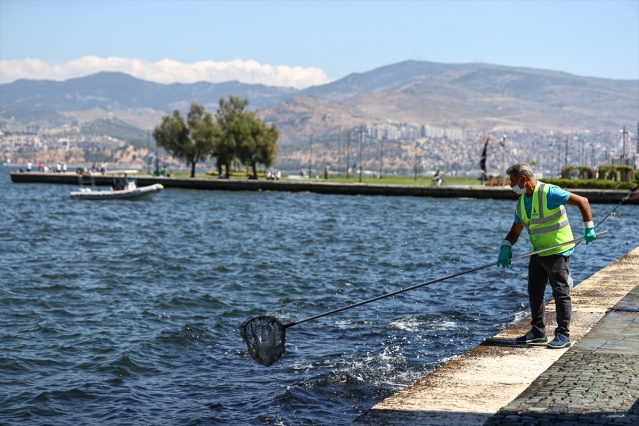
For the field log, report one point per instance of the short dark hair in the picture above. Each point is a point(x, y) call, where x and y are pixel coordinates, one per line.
point(521, 169)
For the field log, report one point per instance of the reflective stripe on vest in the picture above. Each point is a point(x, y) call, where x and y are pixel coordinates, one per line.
point(546, 227)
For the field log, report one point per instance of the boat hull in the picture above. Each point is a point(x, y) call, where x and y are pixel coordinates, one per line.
point(137, 194)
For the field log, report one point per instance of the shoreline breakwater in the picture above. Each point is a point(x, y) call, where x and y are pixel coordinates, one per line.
point(594, 196)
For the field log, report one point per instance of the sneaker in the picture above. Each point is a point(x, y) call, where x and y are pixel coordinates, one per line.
point(531, 337)
point(560, 341)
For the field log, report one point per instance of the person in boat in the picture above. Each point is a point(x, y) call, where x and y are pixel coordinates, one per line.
point(541, 210)
point(122, 183)
point(119, 185)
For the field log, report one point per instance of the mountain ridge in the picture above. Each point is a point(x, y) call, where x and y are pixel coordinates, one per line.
point(472, 97)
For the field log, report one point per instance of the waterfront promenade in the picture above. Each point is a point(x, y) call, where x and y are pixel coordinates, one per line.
point(595, 196)
point(596, 381)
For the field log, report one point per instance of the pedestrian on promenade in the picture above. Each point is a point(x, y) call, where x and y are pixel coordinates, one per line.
point(541, 210)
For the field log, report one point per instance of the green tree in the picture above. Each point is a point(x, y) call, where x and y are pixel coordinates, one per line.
point(258, 142)
point(266, 145)
point(244, 136)
point(193, 140)
point(229, 118)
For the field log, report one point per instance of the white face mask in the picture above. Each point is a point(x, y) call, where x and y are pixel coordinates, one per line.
point(518, 189)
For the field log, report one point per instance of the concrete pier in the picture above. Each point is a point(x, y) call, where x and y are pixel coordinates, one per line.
point(596, 381)
point(595, 196)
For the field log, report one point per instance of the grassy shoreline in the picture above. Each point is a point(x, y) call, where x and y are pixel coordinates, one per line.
point(405, 180)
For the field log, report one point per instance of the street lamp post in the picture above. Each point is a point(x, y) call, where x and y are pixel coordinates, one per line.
point(157, 159)
point(361, 142)
point(637, 146)
point(634, 163)
point(148, 147)
point(416, 160)
point(623, 153)
point(339, 153)
point(503, 159)
point(381, 158)
point(348, 153)
point(310, 155)
point(559, 159)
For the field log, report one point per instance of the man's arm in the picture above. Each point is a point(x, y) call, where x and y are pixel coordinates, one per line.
point(514, 233)
point(505, 252)
point(583, 205)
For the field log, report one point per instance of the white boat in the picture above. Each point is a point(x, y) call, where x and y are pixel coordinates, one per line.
point(128, 191)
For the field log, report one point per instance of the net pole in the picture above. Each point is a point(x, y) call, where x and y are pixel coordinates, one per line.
point(436, 280)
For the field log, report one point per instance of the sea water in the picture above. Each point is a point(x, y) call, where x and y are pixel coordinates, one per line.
point(116, 312)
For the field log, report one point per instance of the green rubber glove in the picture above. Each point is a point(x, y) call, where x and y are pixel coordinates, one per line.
point(505, 254)
point(589, 232)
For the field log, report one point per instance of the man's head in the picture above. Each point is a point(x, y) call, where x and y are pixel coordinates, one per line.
point(522, 176)
point(521, 169)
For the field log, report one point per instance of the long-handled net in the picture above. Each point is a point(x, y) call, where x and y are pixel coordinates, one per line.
point(265, 335)
point(617, 206)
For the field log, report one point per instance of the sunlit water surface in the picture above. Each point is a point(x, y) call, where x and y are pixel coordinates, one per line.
point(129, 312)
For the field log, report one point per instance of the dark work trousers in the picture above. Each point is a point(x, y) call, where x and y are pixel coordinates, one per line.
point(553, 268)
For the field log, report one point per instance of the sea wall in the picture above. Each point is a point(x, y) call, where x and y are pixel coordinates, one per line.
point(321, 187)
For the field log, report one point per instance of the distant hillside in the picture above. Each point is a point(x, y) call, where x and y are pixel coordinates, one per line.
point(485, 97)
point(22, 117)
point(470, 97)
point(116, 90)
point(112, 127)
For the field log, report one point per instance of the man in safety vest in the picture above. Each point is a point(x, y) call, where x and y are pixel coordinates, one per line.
point(541, 210)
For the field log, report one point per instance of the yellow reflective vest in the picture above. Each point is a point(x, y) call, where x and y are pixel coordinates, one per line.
point(546, 228)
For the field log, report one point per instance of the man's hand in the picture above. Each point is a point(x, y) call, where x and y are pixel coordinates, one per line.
point(589, 232)
point(505, 254)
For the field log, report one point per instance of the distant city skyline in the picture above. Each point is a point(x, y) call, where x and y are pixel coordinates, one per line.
point(301, 44)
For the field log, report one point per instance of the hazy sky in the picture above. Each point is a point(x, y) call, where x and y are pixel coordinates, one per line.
point(305, 43)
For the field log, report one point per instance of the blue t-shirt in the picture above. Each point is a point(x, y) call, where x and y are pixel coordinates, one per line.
point(555, 197)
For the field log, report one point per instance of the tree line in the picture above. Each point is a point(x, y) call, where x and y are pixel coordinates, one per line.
point(235, 134)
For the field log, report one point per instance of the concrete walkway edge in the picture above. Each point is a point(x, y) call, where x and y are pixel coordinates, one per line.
point(500, 383)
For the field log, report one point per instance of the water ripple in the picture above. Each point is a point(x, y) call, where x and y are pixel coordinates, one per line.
point(129, 313)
